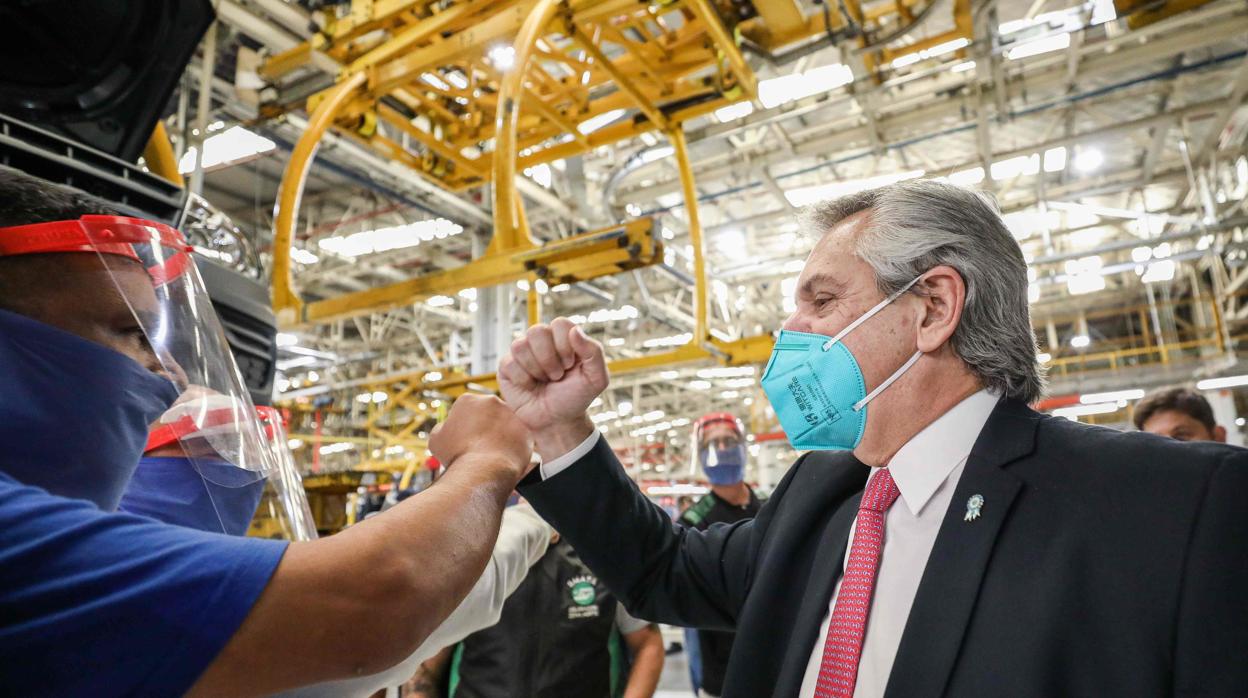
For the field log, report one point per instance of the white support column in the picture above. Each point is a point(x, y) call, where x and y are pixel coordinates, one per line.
point(1223, 404)
point(491, 324)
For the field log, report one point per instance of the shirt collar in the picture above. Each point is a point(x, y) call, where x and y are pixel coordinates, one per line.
point(926, 460)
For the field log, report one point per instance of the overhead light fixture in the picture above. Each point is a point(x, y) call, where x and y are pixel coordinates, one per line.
point(1074, 412)
point(231, 145)
point(699, 385)
point(285, 339)
point(392, 238)
point(732, 112)
point(780, 90)
point(502, 57)
point(1055, 42)
point(594, 123)
point(805, 196)
point(1089, 159)
point(440, 301)
point(1080, 341)
point(626, 312)
point(302, 256)
point(1044, 357)
point(670, 341)
point(1159, 271)
point(1114, 396)
point(962, 67)
point(1223, 382)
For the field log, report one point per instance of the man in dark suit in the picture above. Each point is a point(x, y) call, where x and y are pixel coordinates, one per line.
point(995, 552)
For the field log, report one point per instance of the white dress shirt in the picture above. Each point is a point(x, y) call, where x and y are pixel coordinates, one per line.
point(926, 470)
point(522, 541)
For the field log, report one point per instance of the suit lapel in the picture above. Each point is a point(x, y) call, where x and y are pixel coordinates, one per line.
point(950, 585)
point(829, 561)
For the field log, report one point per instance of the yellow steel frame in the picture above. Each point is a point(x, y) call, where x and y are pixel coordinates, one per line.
point(406, 81)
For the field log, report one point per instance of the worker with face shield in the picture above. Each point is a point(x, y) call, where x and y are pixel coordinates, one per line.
point(107, 338)
point(720, 454)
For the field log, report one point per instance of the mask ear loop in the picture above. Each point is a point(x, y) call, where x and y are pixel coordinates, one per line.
point(887, 382)
point(869, 314)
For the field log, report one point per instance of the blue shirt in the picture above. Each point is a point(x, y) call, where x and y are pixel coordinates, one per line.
point(112, 604)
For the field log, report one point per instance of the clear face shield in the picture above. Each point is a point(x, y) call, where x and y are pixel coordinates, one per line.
point(718, 449)
point(212, 431)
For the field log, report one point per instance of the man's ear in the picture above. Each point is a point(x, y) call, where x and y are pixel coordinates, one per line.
point(942, 293)
point(1219, 434)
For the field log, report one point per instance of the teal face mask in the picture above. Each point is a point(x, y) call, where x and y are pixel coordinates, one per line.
point(817, 390)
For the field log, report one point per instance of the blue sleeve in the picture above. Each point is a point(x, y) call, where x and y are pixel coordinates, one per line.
point(112, 604)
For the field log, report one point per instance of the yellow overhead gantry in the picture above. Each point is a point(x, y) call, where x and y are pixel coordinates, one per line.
point(477, 90)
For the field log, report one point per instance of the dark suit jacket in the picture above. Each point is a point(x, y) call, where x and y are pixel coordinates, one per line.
point(1103, 564)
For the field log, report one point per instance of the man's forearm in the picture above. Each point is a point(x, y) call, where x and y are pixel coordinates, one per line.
point(643, 679)
point(414, 564)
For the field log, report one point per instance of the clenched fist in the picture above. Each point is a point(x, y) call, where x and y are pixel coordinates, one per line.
point(482, 426)
point(550, 377)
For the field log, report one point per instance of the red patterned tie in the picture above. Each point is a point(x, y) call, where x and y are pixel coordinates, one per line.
point(838, 673)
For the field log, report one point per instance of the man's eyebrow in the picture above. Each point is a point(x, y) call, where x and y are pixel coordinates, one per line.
point(825, 282)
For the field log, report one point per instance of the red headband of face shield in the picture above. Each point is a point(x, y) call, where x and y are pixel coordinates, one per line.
point(270, 421)
point(115, 235)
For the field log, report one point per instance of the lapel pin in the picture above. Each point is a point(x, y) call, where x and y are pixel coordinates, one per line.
point(973, 507)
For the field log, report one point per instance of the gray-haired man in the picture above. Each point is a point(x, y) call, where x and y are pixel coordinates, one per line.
point(945, 539)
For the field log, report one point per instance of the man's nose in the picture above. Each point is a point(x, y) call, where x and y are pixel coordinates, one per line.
point(796, 323)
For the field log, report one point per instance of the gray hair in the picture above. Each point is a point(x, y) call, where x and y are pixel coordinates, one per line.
point(921, 224)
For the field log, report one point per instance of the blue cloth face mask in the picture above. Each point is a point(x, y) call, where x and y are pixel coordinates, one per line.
point(74, 414)
point(816, 387)
point(724, 466)
point(174, 491)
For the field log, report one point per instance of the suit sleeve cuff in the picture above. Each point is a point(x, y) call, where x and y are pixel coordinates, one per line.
point(558, 465)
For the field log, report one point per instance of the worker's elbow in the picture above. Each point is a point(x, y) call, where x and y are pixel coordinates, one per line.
point(392, 595)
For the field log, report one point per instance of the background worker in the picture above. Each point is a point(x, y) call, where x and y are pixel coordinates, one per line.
point(721, 452)
point(93, 599)
point(562, 635)
point(1180, 413)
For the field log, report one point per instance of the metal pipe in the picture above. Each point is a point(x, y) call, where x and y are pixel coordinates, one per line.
point(677, 137)
point(508, 231)
point(202, 106)
point(254, 26)
point(286, 302)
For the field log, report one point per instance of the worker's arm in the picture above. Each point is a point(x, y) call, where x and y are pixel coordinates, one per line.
point(661, 571)
point(645, 646)
point(404, 570)
point(430, 676)
point(522, 540)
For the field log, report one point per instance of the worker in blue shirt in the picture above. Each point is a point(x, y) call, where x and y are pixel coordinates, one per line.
point(94, 311)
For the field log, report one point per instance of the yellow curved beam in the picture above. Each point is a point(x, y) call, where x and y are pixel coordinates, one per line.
point(677, 136)
point(510, 232)
point(158, 154)
point(286, 302)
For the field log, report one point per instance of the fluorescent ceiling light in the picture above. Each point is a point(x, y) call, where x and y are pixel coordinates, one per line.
point(1015, 166)
point(963, 67)
point(908, 59)
point(503, 57)
point(594, 123)
point(440, 301)
point(601, 315)
point(699, 385)
point(1089, 159)
point(393, 238)
point(732, 112)
point(236, 143)
point(1044, 357)
point(1223, 382)
point(285, 339)
point(780, 90)
point(1055, 159)
point(947, 47)
point(303, 256)
point(726, 372)
point(457, 79)
point(804, 196)
point(1082, 283)
point(1114, 396)
point(672, 341)
point(1159, 271)
point(434, 81)
point(657, 153)
point(1080, 341)
point(1076, 411)
point(968, 177)
point(1055, 42)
